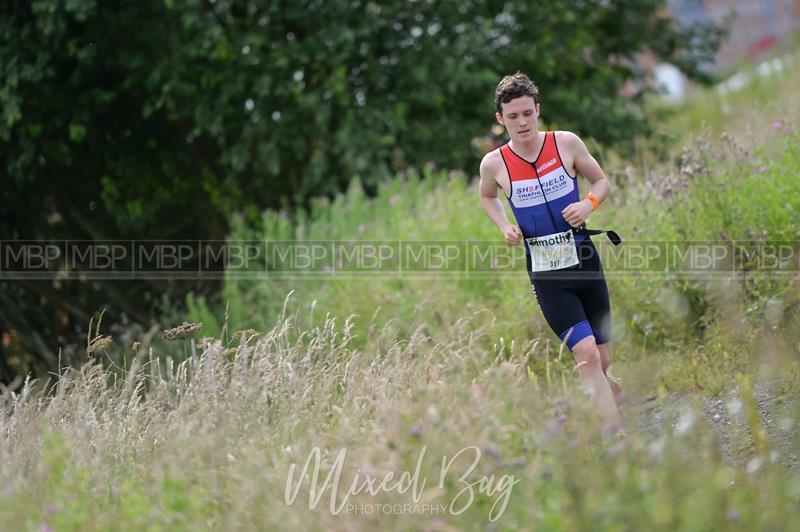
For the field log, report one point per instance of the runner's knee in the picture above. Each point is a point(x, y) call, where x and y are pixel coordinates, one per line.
point(587, 356)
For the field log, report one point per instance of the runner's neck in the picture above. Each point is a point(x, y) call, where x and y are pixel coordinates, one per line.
point(529, 150)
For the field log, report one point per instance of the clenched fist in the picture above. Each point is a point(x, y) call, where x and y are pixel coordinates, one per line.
point(576, 213)
point(512, 235)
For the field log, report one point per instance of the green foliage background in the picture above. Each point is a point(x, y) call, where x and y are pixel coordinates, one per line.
point(161, 119)
point(737, 189)
point(99, 102)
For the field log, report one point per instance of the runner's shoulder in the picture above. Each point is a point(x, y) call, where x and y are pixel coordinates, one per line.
point(568, 141)
point(491, 164)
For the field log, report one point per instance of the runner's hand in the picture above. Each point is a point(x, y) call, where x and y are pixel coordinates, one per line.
point(512, 235)
point(576, 213)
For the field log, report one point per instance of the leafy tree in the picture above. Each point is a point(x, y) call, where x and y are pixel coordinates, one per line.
point(158, 119)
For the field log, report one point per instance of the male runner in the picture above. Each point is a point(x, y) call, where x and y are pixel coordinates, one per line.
point(537, 171)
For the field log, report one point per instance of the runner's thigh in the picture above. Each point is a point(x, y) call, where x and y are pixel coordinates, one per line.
point(561, 306)
point(597, 307)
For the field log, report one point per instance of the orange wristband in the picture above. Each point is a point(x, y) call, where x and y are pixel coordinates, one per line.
point(591, 197)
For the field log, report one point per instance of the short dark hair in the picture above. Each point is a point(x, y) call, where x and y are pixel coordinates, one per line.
point(514, 86)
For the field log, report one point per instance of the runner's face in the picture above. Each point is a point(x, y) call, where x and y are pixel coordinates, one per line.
point(521, 118)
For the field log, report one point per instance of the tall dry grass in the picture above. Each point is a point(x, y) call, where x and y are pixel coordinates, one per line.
point(208, 443)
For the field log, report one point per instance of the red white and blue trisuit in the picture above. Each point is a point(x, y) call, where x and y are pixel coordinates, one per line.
point(574, 300)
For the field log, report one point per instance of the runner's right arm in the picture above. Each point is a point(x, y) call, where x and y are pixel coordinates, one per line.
point(490, 200)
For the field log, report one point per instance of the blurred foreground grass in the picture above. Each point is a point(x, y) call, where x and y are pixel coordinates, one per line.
point(209, 444)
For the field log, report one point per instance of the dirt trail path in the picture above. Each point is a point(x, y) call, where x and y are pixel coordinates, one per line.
point(725, 415)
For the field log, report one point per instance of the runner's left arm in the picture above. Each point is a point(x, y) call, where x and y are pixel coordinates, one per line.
point(588, 166)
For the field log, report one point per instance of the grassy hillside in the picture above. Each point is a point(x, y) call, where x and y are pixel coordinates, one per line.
point(736, 187)
point(405, 372)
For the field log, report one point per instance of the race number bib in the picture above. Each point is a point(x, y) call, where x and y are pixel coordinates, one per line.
point(552, 252)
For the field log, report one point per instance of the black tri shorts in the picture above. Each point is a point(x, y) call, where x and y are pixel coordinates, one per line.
point(575, 300)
